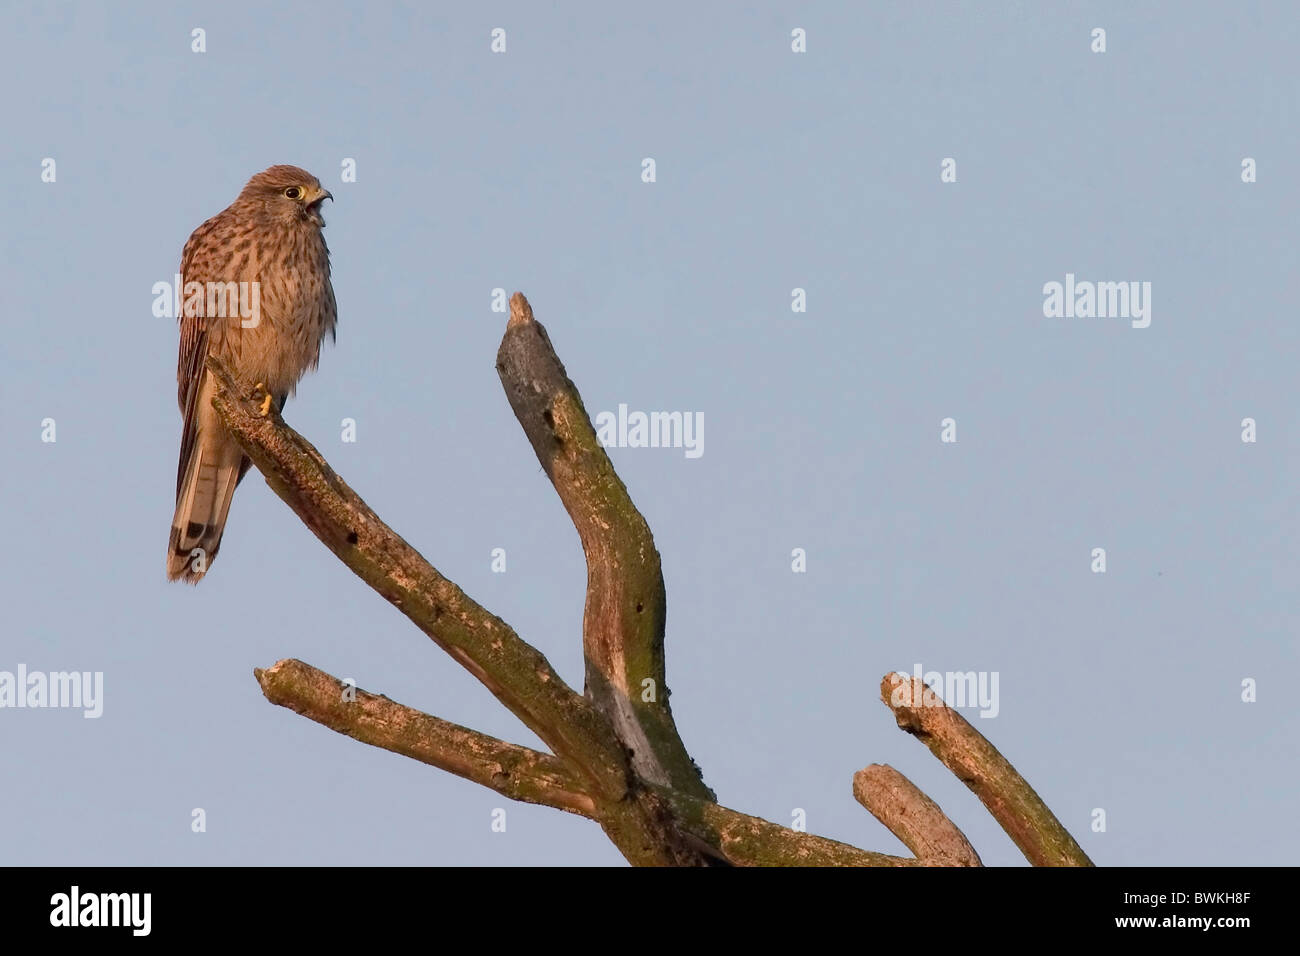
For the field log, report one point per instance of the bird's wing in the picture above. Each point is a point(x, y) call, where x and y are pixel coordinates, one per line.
point(193, 354)
point(331, 317)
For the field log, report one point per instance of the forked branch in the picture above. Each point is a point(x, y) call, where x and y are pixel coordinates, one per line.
point(617, 756)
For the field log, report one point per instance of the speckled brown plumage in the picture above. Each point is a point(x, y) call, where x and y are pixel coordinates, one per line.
point(271, 236)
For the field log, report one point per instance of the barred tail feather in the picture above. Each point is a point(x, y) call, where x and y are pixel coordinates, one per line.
point(213, 471)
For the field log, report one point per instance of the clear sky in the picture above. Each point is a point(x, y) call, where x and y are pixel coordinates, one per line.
point(775, 170)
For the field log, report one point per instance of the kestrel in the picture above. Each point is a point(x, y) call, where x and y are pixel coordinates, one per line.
point(256, 294)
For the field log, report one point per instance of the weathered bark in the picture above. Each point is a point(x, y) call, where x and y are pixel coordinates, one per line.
point(511, 770)
point(516, 673)
point(617, 757)
point(699, 826)
point(976, 762)
point(912, 817)
point(623, 622)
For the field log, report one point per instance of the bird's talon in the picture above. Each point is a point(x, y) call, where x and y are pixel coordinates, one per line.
point(266, 399)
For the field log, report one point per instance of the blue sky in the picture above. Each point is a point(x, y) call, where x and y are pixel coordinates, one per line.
point(774, 171)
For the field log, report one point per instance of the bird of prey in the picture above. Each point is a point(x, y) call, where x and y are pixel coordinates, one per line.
point(266, 255)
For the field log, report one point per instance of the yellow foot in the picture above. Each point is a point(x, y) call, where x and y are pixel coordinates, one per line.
point(266, 400)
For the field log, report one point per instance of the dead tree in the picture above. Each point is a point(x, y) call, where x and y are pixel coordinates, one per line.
point(615, 754)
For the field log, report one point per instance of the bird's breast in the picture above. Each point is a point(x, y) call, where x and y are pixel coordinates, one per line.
point(286, 308)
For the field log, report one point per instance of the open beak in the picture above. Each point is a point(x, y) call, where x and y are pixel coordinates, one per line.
point(313, 207)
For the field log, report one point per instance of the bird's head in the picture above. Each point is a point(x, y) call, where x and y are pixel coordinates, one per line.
point(288, 194)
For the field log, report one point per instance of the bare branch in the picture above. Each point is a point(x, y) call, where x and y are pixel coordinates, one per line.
point(618, 757)
point(976, 762)
point(912, 817)
point(742, 840)
point(511, 770)
point(516, 673)
point(623, 626)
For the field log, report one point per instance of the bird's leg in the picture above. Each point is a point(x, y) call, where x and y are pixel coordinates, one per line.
point(267, 399)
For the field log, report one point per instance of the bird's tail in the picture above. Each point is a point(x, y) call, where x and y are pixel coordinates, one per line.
point(213, 471)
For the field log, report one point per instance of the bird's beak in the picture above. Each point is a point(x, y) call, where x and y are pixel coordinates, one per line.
point(313, 207)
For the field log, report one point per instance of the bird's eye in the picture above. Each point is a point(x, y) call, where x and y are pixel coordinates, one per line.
point(293, 192)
